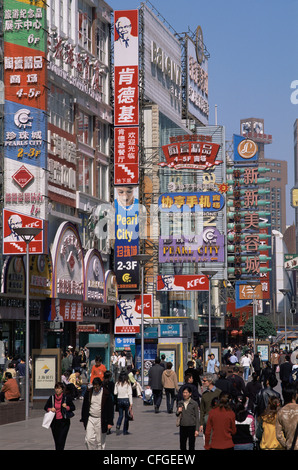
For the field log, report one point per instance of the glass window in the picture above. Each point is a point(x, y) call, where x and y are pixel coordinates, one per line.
point(86, 174)
point(85, 26)
point(85, 128)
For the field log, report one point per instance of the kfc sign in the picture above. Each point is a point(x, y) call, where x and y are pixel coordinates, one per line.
point(12, 242)
point(171, 282)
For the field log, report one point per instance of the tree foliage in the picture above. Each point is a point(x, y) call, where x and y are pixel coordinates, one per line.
point(263, 327)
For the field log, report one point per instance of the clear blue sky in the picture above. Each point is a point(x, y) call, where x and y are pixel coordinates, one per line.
point(253, 60)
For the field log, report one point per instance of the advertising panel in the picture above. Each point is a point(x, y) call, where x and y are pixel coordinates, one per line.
point(66, 310)
point(126, 71)
point(162, 66)
point(25, 187)
point(208, 247)
point(197, 73)
point(245, 150)
point(68, 264)
point(126, 155)
point(129, 311)
point(192, 155)
point(126, 236)
point(206, 201)
point(12, 243)
point(94, 277)
point(25, 134)
point(183, 282)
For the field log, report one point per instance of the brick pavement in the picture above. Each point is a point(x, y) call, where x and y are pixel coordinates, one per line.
point(149, 431)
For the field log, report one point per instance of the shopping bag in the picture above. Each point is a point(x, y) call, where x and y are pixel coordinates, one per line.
point(47, 419)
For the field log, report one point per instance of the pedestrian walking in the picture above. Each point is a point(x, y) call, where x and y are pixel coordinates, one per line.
point(220, 426)
point(213, 365)
point(170, 384)
point(155, 383)
point(123, 391)
point(97, 415)
point(98, 369)
point(188, 382)
point(208, 395)
point(262, 398)
point(195, 373)
point(287, 419)
point(134, 382)
point(223, 383)
point(252, 388)
point(62, 405)
point(266, 428)
point(257, 364)
point(285, 372)
point(189, 423)
point(245, 362)
point(237, 382)
point(245, 427)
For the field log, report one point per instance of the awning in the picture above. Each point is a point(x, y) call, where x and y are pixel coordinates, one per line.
point(97, 345)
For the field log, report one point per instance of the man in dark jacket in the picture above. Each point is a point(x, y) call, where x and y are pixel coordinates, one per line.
point(194, 372)
point(97, 415)
point(155, 383)
point(285, 371)
point(256, 363)
point(238, 384)
point(263, 395)
point(223, 383)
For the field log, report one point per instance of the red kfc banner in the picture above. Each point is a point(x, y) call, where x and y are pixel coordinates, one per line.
point(172, 282)
point(126, 168)
point(12, 242)
point(129, 311)
point(126, 107)
point(191, 155)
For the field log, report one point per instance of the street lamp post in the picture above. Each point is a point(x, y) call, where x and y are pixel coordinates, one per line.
point(209, 273)
point(142, 258)
point(253, 284)
point(27, 234)
point(284, 293)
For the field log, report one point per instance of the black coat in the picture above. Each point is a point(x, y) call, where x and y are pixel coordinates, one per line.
point(107, 409)
point(285, 371)
point(66, 399)
point(155, 374)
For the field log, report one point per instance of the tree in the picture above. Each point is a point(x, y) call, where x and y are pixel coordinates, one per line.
point(263, 327)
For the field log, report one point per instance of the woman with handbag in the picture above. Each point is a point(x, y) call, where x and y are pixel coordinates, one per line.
point(62, 405)
point(188, 420)
point(123, 391)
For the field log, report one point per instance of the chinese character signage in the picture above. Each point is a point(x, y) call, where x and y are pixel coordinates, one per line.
point(191, 155)
point(126, 155)
point(191, 202)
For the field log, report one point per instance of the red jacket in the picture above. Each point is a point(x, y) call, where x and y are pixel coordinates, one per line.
point(220, 428)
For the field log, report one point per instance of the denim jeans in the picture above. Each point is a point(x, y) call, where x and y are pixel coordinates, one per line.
point(170, 396)
point(245, 372)
point(123, 406)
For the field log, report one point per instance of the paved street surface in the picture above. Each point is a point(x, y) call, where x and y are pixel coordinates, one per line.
point(149, 431)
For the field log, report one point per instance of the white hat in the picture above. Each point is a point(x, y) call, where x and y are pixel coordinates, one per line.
point(69, 347)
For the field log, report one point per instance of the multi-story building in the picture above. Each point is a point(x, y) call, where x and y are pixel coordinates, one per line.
point(58, 115)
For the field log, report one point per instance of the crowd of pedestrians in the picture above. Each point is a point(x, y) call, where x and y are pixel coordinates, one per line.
point(232, 402)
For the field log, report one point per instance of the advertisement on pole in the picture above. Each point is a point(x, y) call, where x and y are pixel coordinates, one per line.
point(126, 155)
point(126, 202)
point(129, 312)
point(12, 242)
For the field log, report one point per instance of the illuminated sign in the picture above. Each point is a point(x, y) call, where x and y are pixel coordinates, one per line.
point(12, 242)
point(171, 282)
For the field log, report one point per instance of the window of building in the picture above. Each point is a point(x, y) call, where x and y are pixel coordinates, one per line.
point(85, 25)
point(85, 128)
point(86, 174)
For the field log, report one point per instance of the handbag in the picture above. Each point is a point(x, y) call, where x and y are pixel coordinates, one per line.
point(130, 415)
point(178, 420)
point(48, 417)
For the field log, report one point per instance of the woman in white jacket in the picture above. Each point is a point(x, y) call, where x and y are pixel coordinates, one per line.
point(123, 391)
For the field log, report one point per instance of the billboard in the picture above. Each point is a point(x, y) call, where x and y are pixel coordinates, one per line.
point(126, 202)
point(12, 243)
point(197, 75)
point(183, 282)
point(129, 311)
point(126, 155)
point(245, 150)
point(192, 155)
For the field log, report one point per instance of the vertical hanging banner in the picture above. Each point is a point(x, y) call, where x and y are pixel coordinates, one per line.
point(126, 147)
point(25, 123)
